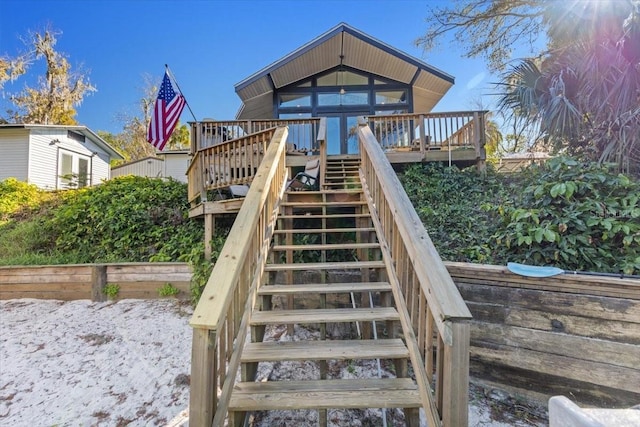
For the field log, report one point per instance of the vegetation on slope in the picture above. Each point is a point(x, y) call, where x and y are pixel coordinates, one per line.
point(576, 216)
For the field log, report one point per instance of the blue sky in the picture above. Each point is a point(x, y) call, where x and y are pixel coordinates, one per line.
point(212, 45)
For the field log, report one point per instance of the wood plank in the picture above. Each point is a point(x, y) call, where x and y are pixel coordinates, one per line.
point(562, 366)
point(338, 315)
point(583, 348)
point(45, 287)
point(325, 230)
point(325, 266)
point(303, 205)
point(325, 247)
point(325, 394)
point(327, 216)
point(148, 277)
point(325, 288)
point(324, 350)
point(63, 296)
point(619, 290)
point(611, 330)
point(43, 278)
point(598, 307)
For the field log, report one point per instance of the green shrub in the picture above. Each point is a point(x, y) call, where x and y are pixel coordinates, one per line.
point(577, 216)
point(111, 290)
point(127, 219)
point(168, 290)
point(16, 195)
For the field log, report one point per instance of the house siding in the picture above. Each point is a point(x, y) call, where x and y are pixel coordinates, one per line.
point(175, 166)
point(43, 158)
point(14, 160)
point(149, 167)
point(43, 161)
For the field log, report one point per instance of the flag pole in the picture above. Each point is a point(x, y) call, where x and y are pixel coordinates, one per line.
point(178, 86)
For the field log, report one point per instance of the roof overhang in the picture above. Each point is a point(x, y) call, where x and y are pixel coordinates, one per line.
point(360, 52)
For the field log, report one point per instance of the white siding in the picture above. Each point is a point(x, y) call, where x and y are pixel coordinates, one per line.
point(14, 154)
point(149, 167)
point(175, 166)
point(44, 157)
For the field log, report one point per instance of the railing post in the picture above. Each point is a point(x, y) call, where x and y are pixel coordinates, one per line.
point(479, 142)
point(203, 392)
point(423, 135)
point(455, 410)
point(322, 139)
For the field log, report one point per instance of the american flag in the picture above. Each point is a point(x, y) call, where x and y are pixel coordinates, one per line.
point(166, 113)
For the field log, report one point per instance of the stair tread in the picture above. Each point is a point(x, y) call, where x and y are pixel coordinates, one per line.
point(325, 394)
point(321, 204)
point(326, 246)
point(318, 288)
point(324, 315)
point(325, 230)
point(313, 216)
point(324, 350)
point(345, 265)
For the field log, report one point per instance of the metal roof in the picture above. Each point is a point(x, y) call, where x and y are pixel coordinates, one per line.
point(360, 51)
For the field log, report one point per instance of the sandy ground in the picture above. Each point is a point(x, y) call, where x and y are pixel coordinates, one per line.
point(123, 363)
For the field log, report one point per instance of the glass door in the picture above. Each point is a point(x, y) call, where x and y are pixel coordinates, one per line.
point(342, 133)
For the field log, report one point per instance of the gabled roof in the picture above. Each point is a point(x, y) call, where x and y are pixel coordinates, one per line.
point(360, 51)
point(88, 133)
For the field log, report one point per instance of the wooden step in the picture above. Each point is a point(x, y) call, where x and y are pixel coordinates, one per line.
point(324, 350)
point(320, 216)
point(302, 266)
point(325, 230)
point(325, 247)
point(324, 315)
point(325, 394)
point(325, 288)
point(319, 205)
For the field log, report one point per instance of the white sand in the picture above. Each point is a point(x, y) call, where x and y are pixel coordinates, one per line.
point(81, 363)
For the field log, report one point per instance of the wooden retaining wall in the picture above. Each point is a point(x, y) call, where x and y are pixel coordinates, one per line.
point(572, 335)
point(87, 281)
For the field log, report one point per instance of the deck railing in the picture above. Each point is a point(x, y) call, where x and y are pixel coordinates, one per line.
point(232, 162)
point(433, 314)
point(430, 131)
point(221, 318)
point(302, 137)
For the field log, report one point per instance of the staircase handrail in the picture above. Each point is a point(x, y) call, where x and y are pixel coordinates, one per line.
point(427, 298)
point(221, 317)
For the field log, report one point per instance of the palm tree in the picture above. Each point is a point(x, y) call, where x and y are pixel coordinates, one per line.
point(585, 95)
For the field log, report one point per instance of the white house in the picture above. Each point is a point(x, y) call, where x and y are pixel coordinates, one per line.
point(167, 164)
point(54, 156)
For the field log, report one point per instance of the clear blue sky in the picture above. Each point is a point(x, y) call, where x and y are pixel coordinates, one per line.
point(212, 45)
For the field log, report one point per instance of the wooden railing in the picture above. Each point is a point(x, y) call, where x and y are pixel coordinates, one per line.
point(231, 162)
point(221, 318)
point(434, 317)
point(430, 131)
point(302, 137)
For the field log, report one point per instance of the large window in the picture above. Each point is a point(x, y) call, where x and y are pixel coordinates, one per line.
point(74, 170)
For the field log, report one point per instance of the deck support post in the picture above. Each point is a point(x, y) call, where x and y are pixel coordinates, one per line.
point(209, 229)
point(203, 391)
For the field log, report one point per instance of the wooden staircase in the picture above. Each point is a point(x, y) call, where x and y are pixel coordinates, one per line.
point(325, 271)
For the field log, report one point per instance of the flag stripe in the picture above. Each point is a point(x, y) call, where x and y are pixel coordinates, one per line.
point(166, 113)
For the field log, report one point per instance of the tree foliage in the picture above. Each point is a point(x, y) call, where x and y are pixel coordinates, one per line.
point(58, 92)
point(581, 94)
point(486, 28)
